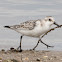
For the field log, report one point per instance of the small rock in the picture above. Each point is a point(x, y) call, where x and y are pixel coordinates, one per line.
point(45, 56)
point(26, 58)
point(38, 59)
point(0, 58)
point(12, 48)
point(2, 50)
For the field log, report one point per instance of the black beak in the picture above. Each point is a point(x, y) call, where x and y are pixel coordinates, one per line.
point(56, 24)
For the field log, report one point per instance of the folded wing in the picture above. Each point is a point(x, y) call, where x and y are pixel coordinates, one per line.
point(28, 25)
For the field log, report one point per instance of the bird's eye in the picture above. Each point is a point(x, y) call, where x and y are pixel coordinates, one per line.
point(50, 20)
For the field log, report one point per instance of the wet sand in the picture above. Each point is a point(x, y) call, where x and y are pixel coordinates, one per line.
point(30, 56)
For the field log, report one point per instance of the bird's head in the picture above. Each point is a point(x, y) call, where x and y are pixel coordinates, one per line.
point(50, 20)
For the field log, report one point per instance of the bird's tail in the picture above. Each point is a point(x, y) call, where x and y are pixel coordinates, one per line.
point(7, 26)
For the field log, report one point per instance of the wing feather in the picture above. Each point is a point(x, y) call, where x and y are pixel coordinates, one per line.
point(28, 25)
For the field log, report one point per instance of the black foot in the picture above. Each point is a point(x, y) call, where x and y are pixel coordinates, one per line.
point(49, 46)
point(33, 49)
point(19, 49)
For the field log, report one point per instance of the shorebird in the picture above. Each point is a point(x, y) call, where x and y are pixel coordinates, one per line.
point(34, 28)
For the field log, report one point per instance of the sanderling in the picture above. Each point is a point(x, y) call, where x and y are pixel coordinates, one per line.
point(34, 28)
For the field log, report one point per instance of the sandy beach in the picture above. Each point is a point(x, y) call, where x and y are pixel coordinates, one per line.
point(30, 56)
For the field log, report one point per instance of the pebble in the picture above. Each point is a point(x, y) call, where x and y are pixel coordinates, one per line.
point(0, 58)
point(26, 58)
point(12, 48)
point(38, 59)
point(3, 50)
point(45, 56)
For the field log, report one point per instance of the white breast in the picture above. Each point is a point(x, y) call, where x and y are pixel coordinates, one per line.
point(36, 32)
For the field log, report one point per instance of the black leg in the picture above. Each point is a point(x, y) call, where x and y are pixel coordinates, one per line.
point(20, 44)
point(36, 45)
point(46, 34)
point(45, 44)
